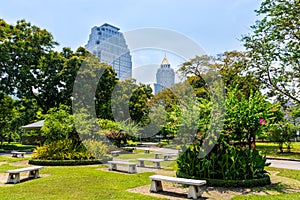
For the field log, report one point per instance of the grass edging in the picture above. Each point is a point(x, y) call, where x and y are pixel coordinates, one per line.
point(239, 183)
point(68, 162)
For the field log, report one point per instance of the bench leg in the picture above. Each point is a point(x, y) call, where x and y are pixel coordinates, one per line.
point(156, 186)
point(112, 167)
point(34, 174)
point(132, 169)
point(165, 157)
point(13, 178)
point(156, 156)
point(157, 165)
point(147, 151)
point(194, 192)
point(141, 163)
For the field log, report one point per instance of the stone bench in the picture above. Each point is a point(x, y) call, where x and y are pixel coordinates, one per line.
point(156, 162)
point(14, 175)
point(18, 154)
point(168, 156)
point(147, 151)
point(156, 155)
point(131, 166)
point(194, 185)
point(115, 153)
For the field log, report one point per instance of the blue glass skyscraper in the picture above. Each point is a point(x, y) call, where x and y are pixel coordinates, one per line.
point(165, 76)
point(109, 45)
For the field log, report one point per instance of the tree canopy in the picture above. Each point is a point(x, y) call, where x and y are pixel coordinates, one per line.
point(274, 48)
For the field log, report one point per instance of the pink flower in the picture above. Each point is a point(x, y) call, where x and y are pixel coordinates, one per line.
point(199, 134)
point(262, 122)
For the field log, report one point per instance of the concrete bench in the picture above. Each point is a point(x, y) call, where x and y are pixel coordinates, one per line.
point(156, 155)
point(194, 185)
point(14, 175)
point(156, 162)
point(147, 151)
point(18, 154)
point(115, 153)
point(168, 156)
point(131, 166)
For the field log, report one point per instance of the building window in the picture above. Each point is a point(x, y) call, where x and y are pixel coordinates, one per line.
point(97, 42)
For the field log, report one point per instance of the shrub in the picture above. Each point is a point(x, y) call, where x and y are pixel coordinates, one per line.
point(62, 150)
point(239, 183)
point(131, 143)
point(230, 163)
point(96, 148)
point(163, 143)
point(118, 138)
point(69, 162)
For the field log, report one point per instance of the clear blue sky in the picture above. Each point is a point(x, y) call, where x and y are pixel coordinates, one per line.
point(216, 25)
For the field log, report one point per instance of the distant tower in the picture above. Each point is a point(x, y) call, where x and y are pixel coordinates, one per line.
point(109, 45)
point(165, 76)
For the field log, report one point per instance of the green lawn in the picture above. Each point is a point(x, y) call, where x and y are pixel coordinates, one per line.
point(89, 182)
point(81, 182)
point(293, 174)
point(167, 165)
point(271, 149)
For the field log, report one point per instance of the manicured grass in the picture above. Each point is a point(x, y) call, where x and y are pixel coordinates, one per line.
point(293, 174)
point(84, 182)
point(293, 196)
point(168, 165)
point(289, 173)
point(11, 159)
point(271, 150)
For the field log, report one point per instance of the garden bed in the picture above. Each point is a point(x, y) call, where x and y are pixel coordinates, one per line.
point(68, 162)
point(239, 183)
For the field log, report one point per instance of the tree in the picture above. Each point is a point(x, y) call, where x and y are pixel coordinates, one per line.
point(131, 101)
point(231, 66)
point(274, 48)
point(7, 115)
point(59, 125)
point(30, 69)
point(247, 118)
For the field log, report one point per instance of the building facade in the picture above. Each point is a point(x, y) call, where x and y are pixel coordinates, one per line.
point(109, 45)
point(165, 76)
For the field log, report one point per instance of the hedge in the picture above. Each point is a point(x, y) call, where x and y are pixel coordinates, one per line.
point(239, 183)
point(68, 162)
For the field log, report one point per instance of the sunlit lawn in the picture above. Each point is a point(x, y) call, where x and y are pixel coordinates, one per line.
point(293, 174)
point(90, 182)
point(80, 182)
point(271, 150)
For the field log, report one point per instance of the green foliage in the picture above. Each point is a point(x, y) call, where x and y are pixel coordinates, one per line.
point(274, 48)
point(62, 150)
point(282, 133)
point(59, 124)
point(33, 70)
point(228, 163)
point(248, 118)
point(249, 183)
point(68, 162)
point(118, 138)
point(163, 143)
point(130, 100)
point(96, 148)
point(106, 124)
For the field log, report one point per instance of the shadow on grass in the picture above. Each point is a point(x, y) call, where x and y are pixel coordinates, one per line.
point(175, 195)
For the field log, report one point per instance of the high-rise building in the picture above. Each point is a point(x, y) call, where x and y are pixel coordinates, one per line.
point(109, 45)
point(165, 76)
